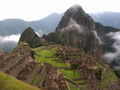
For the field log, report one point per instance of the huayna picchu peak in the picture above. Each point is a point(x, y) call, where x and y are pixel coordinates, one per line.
point(77, 14)
point(78, 29)
point(67, 59)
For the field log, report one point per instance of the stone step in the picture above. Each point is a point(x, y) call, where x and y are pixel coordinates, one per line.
point(78, 79)
point(42, 74)
point(16, 68)
point(31, 69)
point(6, 64)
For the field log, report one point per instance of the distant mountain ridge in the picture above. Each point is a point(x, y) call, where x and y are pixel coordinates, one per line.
point(107, 18)
point(49, 23)
point(16, 26)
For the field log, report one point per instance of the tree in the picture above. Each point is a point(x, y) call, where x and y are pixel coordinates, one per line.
point(32, 54)
point(99, 74)
point(74, 67)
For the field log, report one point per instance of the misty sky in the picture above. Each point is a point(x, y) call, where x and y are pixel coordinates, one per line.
point(37, 9)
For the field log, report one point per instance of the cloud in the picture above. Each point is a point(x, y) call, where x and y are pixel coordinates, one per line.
point(7, 43)
point(116, 68)
point(73, 25)
point(42, 8)
point(39, 33)
point(111, 56)
point(10, 38)
point(97, 37)
point(76, 7)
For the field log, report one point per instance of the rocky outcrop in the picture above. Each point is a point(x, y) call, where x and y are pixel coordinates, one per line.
point(30, 37)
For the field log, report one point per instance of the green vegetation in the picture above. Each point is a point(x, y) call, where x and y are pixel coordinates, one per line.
point(10, 83)
point(99, 74)
point(108, 77)
point(74, 67)
point(48, 57)
point(104, 74)
point(43, 55)
point(22, 46)
point(72, 87)
point(69, 74)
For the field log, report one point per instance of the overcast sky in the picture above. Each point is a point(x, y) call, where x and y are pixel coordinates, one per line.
point(37, 9)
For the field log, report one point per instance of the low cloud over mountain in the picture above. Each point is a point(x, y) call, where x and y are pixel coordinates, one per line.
point(8, 42)
point(10, 38)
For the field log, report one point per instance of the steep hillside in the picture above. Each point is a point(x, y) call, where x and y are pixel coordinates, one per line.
point(10, 83)
point(21, 65)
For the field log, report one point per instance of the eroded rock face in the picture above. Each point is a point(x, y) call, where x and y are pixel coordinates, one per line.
point(30, 37)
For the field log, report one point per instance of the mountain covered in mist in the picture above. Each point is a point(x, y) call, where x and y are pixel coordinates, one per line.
point(78, 29)
point(46, 25)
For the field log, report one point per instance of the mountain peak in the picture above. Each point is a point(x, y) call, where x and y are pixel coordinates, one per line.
point(31, 38)
point(78, 15)
point(29, 29)
point(75, 7)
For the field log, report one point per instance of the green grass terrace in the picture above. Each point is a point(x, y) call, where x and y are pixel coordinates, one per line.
point(43, 55)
